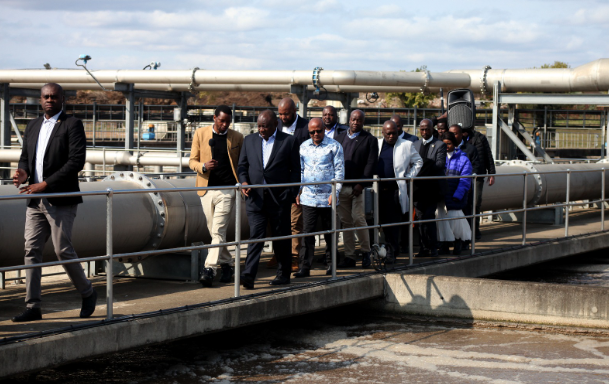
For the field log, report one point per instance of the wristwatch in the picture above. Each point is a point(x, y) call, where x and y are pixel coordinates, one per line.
point(204, 168)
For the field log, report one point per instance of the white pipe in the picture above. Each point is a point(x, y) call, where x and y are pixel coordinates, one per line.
point(114, 158)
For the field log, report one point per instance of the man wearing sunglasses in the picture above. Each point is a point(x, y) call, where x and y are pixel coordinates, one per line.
point(321, 159)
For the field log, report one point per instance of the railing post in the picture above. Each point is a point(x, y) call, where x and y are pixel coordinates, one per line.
point(334, 234)
point(410, 225)
point(602, 199)
point(109, 252)
point(238, 240)
point(94, 120)
point(475, 218)
point(375, 214)
point(524, 212)
point(567, 203)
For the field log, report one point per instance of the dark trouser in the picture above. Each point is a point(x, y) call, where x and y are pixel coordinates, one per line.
point(55, 221)
point(278, 218)
point(479, 187)
point(428, 232)
point(390, 212)
point(310, 216)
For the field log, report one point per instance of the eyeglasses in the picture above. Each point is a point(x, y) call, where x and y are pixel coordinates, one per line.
point(52, 97)
point(315, 131)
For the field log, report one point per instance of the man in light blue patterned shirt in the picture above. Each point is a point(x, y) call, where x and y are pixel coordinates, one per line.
point(321, 159)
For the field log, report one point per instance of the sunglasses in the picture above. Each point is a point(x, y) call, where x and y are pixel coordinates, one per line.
point(52, 97)
point(315, 131)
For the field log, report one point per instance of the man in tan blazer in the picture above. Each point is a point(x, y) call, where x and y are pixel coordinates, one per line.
point(214, 156)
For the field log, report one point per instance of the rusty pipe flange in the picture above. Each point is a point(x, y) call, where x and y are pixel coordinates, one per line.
point(537, 177)
point(158, 202)
point(425, 87)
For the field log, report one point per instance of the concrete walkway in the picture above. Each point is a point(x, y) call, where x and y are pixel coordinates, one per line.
point(61, 304)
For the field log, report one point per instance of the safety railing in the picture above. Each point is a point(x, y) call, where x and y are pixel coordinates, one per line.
point(110, 256)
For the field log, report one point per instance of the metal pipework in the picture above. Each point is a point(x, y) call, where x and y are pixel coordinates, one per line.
point(115, 158)
point(144, 221)
point(593, 76)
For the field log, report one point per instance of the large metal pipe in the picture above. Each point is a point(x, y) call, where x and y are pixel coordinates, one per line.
point(172, 219)
point(111, 158)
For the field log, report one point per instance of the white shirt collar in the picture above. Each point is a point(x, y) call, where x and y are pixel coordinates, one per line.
point(292, 128)
point(428, 140)
point(271, 137)
point(213, 128)
point(53, 119)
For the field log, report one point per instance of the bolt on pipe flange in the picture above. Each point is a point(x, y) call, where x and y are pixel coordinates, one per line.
point(159, 205)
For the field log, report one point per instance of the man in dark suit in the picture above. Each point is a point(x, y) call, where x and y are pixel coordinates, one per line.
point(433, 152)
point(403, 134)
point(360, 150)
point(271, 157)
point(330, 120)
point(54, 151)
point(297, 126)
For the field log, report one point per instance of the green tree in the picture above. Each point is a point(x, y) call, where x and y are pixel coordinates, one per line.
point(410, 100)
point(557, 64)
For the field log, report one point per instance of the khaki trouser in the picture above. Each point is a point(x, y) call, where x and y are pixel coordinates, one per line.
point(218, 207)
point(352, 214)
point(296, 228)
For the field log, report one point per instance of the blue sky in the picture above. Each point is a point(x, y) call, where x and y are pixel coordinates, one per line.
point(285, 34)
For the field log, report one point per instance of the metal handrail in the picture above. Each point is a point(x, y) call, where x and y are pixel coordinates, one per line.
point(109, 193)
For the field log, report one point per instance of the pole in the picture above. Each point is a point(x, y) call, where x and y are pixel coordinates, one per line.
point(94, 120)
point(475, 218)
point(375, 214)
point(109, 252)
point(524, 212)
point(567, 205)
point(603, 199)
point(334, 242)
point(410, 227)
point(238, 240)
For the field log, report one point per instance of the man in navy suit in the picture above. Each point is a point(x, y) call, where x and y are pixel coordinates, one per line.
point(330, 119)
point(54, 151)
point(269, 157)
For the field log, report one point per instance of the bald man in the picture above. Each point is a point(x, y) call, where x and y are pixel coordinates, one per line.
point(293, 124)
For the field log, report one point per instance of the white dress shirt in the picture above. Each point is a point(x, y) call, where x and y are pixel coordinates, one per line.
point(41, 145)
point(267, 148)
point(290, 130)
point(330, 133)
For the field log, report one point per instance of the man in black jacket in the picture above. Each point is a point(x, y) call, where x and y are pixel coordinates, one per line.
point(269, 157)
point(329, 117)
point(487, 167)
point(54, 151)
point(360, 149)
point(297, 126)
point(433, 152)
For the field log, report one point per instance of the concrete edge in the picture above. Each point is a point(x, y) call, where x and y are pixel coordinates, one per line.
point(58, 349)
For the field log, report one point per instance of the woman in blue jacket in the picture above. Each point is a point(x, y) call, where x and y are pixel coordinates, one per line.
point(455, 199)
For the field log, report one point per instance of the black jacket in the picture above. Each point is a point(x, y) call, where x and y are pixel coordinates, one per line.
point(301, 132)
point(472, 154)
point(283, 167)
point(487, 163)
point(64, 157)
point(362, 164)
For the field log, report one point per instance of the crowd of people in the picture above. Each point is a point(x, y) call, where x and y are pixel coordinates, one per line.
point(286, 149)
point(290, 149)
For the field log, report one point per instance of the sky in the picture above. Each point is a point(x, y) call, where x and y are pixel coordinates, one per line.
point(301, 35)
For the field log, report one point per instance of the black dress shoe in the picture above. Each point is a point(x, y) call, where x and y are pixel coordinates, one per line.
point(207, 277)
point(329, 271)
point(366, 262)
point(30, 314)
point(302, 273)
point(280, 280)
point(423, 253)
point(346, 263)
point(247, 281)
point(227, 273)
point(88, 305)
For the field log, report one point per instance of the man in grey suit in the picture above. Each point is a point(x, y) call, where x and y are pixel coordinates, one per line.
point(429, 192)
point(54, 151)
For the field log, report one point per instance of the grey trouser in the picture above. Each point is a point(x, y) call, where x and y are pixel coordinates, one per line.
point(42, 222)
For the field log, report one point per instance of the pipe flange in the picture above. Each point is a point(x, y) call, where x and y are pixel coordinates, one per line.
point(483, 82)
point(316, 82)
point(193, 83)
point(537, 177)
point(425, 87)
point(158, 202)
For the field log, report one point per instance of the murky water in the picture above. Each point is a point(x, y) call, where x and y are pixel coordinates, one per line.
point(586, 269)
point(346, 346)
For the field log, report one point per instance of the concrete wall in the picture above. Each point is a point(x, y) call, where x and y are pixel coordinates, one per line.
point(59, 349)
point(485, 299)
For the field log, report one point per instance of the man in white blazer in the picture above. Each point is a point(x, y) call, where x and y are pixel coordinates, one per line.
point(397, 158)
